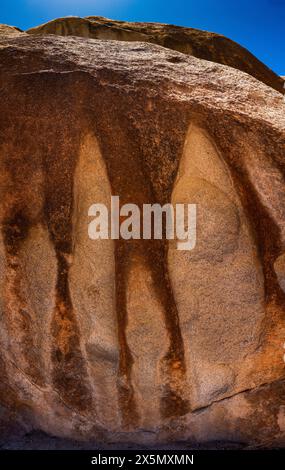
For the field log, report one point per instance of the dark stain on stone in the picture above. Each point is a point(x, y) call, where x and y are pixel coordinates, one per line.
point(48, 144)
point(15, 228)
point(268, 242)
point(69, 374)
point(133, 163)
point(125, 389)
point(266, 403)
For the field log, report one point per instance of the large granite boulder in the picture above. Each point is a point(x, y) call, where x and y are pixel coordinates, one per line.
point(134, 340)
point(201, 44)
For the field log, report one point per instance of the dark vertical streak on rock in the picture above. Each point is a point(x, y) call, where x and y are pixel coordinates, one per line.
point(268, 247)
point(19, 321)
point(69, 372)
point(119, 151)
point(127, 156)
point(173, 364)
point(265, 231)
point(54, 134)
point(268, 242)
point(69, 368)
point(125, 388)
point(161, 134)
point(19, 213)
point(44, 140)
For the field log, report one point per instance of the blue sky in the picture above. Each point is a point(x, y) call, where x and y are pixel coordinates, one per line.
point(258, 25)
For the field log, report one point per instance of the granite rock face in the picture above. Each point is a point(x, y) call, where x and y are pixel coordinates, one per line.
point(134, 340)
point(201, 44)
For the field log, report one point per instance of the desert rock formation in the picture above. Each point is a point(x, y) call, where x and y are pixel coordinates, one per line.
point(133, 340)
point(6, 30)
point(201, 44)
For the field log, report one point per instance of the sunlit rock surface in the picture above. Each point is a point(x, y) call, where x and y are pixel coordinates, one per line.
point(133, 340)
point(190, 41)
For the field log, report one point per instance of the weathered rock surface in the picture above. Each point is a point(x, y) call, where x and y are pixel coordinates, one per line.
point(201, 44)
point(6, 30)
point(133, 340)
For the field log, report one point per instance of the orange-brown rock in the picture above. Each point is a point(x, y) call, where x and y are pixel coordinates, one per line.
point(133, 340)
point(6, 30)
point(201, 44)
